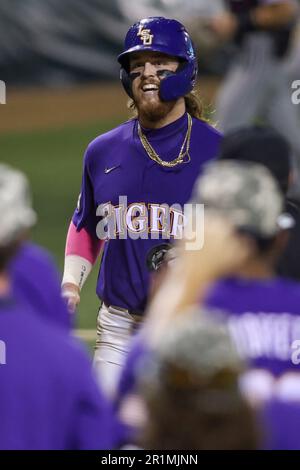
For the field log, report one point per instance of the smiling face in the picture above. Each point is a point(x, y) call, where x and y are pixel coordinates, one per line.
point(146, 69)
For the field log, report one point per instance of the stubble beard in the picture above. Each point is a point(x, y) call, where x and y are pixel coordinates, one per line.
point(153, 111)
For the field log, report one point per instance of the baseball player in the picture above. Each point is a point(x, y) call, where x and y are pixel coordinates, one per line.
point(132, 177)
point(256, 299)
point(256, 86)
point(260, 308)
point(46, 403)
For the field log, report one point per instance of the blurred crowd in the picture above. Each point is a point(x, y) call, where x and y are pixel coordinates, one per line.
point(56, 43)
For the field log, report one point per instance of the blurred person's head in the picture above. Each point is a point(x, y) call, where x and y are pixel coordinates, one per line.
point(260, 144)
point(190, 388)
point(159, 69)
point(247, 195)
point(17, 214)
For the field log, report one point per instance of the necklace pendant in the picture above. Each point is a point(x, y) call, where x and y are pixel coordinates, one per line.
point(186, 154)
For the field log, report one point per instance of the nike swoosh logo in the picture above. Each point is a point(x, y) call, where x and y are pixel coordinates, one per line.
point(108, 170)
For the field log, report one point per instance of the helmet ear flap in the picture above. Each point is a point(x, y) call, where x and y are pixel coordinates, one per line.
point(126, 82)
point(179, 83)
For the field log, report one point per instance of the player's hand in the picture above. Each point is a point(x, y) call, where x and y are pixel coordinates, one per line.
point(71, 293)
point(224, 25)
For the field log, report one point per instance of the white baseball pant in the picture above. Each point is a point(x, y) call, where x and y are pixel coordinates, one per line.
point(115, 329)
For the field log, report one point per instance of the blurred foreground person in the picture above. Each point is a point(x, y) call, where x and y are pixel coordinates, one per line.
point(49, 399)
point(191, 392)
point(34, 277)
point(262, 308)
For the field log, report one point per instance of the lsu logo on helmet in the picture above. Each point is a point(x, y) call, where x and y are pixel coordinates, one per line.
point(145, 35)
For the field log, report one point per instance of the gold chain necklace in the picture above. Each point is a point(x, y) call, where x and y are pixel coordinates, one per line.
point(183, 157)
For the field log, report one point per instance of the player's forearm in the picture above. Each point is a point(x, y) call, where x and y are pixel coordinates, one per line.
point(275, 15)
point(76, 271)
point(80, 255)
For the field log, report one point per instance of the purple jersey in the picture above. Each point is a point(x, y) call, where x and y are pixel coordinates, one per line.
point(49, 399)
point(281, 419)
point(263, 318)
point(116, 164)
point(35, 281)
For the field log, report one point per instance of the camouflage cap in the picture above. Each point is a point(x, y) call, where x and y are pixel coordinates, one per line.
point(193, 351)
point(200, 344)
point(16, 209)
point(246, 194)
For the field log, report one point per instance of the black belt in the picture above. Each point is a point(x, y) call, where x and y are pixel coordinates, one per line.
point(136, 316)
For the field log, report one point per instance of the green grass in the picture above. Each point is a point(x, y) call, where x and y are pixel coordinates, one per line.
point(52, 161)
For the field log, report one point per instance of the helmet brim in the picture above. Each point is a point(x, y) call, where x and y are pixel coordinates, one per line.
point(123, 58)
